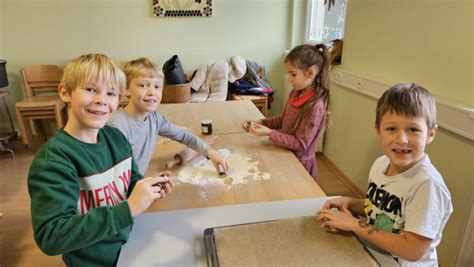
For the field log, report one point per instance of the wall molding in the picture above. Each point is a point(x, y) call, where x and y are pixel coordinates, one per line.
point(451, 116)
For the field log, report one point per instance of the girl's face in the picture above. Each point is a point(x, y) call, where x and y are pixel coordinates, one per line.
point(300, 79)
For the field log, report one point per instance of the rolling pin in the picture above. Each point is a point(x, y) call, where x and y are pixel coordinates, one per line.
point(184, 156)
point(187, 154)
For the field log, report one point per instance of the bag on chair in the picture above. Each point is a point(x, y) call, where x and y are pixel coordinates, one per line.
point(173, 71)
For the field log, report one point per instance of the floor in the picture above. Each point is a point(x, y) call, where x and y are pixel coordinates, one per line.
point(17, 247)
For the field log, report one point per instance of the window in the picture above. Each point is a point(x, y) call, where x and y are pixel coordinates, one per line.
point(323, 25)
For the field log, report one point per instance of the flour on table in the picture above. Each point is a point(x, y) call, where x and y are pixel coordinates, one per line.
point(241, 170)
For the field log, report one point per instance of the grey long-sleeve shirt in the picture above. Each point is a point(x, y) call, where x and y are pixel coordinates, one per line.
point(142, 135)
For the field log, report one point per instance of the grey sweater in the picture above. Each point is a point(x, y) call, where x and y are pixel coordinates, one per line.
point(142, 135)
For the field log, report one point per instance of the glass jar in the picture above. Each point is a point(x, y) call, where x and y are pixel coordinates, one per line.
point(206, 126)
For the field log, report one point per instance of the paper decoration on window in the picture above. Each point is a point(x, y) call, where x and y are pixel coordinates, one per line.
point(182, 8)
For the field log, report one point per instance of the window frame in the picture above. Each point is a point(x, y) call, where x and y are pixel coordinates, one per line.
point(318, 19)
point(310, 19)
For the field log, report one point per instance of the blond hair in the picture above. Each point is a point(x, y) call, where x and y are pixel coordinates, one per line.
point(408, 99)
point(93, 68)
point(141, 67)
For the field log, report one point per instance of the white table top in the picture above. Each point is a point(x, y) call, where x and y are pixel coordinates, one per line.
point(175, 238)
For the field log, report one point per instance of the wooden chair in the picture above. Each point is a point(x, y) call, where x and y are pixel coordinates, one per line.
point(260, 101)
point(42, 100)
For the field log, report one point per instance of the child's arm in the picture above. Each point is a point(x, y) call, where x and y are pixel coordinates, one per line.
point(407, 245)
point(218, 160)
point(301, 140)
point(181, 135)
point(355, 205)
point(274, 122)
point(147, 190)
point(55, 204)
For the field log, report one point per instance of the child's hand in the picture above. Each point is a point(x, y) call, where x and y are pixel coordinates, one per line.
point(246, 124)
point(217, 159)
point(339, 203)
point(258, 129)
point(146, 192)
point(340, 219)
point(167, 185)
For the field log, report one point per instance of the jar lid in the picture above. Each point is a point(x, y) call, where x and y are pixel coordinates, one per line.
point(206, 121)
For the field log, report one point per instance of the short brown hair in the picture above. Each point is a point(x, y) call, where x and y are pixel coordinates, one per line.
point(407, 99)
point(92, 67)
point(141, 67)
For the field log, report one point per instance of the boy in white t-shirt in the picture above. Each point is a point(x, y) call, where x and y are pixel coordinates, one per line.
point(407, 203)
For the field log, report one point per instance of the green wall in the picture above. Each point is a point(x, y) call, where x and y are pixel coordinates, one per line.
point(429, 41)
point(54, 31)
point(2, 22)
point(425, 41)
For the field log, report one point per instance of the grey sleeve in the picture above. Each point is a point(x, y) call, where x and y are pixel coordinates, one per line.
point(181, 135)
point(119, 121)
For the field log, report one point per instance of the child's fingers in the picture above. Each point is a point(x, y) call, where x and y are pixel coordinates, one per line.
point(157, 188)
point(168, 189)
point(151, 180)
point(325, 214)
point(321, 215)
point(327, 205)
point(226, 166)
point(163, 194)
point(345, 210)
point(163, 179)
point(157, 196)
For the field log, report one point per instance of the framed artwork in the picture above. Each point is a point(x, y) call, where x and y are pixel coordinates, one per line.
point(182, 8)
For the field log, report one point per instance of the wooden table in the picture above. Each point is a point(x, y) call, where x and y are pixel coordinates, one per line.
point(226, 116)
point(260, 101)
point(289, 179)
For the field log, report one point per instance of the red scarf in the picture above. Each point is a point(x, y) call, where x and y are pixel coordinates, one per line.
point(298, 101)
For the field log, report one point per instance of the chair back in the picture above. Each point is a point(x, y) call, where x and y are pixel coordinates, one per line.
point(41, 78)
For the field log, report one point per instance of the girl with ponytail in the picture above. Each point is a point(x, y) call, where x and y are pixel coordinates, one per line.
point(304, 116)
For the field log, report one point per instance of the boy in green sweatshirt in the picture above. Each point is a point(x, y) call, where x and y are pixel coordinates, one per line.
point(84, 185)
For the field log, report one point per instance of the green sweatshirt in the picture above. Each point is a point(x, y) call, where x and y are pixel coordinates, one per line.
point(78, 197)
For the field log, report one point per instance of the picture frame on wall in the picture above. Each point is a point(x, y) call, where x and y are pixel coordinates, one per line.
point(182, 8)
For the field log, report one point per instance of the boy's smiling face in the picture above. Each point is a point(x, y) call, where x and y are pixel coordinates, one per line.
point(145, 95)
point(403, 140)
point(90, 106)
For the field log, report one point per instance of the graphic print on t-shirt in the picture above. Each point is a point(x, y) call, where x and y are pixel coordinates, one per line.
point(384, 209)
point(107, 188)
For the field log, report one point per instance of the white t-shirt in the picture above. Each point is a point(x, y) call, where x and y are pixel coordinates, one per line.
point(416, 201)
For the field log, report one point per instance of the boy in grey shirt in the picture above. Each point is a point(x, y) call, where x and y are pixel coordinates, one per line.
point(141, 124)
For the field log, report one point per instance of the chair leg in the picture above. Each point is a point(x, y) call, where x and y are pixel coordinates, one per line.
point(21, 123)
point(29, 134)
point(38, 124)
